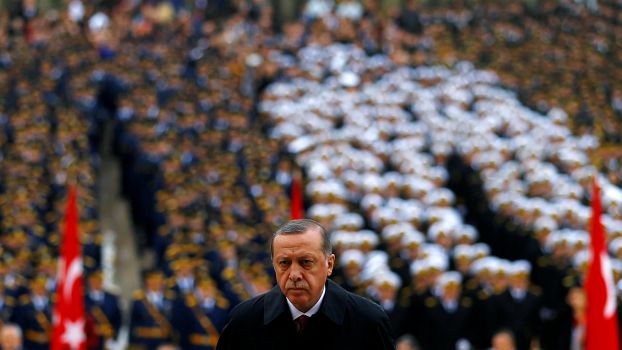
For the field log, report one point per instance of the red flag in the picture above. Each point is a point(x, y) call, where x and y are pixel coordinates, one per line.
point(601, 331)
point(297, 210)
point(69, 318)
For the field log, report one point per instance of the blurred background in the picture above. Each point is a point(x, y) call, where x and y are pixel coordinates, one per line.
point(449, 147)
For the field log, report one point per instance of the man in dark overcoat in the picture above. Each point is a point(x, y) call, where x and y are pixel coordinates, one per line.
point(306, 310)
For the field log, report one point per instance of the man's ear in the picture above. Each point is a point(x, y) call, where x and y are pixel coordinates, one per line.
point(330, 263)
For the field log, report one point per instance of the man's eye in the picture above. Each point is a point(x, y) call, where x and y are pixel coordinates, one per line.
point(283, 263)
point(306, 262)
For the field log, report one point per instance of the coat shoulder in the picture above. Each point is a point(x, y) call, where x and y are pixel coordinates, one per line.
point(366, 308)
point(250, 307)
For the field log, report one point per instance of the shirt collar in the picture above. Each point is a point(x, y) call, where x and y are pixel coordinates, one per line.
point(96, 295)
point(518, 293)
point(312, 311)
point(334, 307)
point(154, 297)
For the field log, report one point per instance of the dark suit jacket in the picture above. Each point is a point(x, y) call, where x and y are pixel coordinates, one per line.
point(344, 321)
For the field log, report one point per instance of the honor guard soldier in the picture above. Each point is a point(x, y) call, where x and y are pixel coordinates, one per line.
point(183, 281)
point(7, 304)
point(447, 313)
point(103, 308)
point(34, 315)
point(385, 292)
point(518, 308)
point(150, 322)
point(348, 275)
point(14, 283)
point(200, 316)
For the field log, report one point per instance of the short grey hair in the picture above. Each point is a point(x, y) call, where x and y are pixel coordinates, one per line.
point(11, 327)
point(302, 226)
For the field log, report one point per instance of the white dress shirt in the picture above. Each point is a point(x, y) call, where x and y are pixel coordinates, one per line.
point(312, 311)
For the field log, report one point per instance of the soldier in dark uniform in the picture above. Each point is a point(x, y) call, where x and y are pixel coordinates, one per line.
point(556, 278)
point(199, 317)
point(386, 287)
point(103, 307)
point(393, 235)
point(91, 247)
point(412, 243)
point(518, 308)
point(47, 268)
point(447, 314)
point(150, 322)
point(348, 275)
point(487, 280)
point(7, 304)
point(34, 315)
point(14, 283)
point(183, 280)
point(415, 296)
point(223, 264)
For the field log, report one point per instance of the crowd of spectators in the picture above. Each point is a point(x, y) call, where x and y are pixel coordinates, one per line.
point(459, 209)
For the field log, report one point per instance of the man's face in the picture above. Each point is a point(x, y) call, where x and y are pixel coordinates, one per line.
point(10, 340)
point(451, 291)
point(96, 283)
point(207, 291)
point(301, 267)
point(154, 283)
point(387, 292)
point(502, 341)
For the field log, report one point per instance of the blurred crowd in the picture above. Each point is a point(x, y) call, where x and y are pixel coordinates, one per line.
point(46, 142)
point(410, 167)
point(457, 198)
point(401, 162)
point(178, 85)
point(562, 54)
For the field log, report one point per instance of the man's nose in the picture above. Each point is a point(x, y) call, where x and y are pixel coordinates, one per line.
point(295, 273)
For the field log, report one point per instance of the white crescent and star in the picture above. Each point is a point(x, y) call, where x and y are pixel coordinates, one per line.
point(73, 334)
point(73, 273)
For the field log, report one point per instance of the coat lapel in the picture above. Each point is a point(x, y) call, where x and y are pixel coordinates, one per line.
point(274, 305)
point(333, 306)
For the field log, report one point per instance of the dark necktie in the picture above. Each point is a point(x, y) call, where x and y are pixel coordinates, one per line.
point(301, 323)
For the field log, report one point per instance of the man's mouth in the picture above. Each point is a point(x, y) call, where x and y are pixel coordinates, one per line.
point(297, 288)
